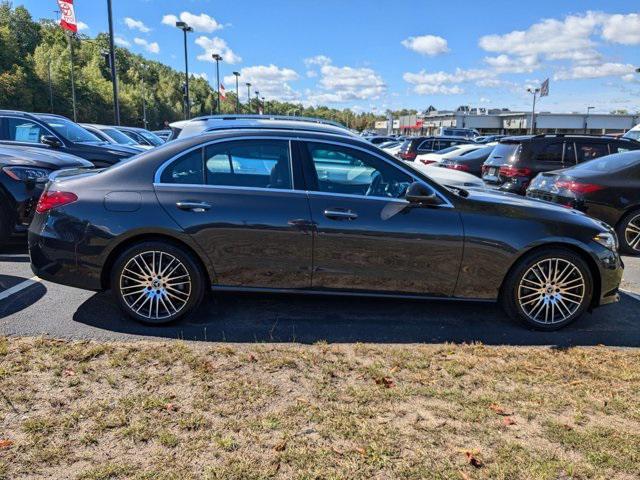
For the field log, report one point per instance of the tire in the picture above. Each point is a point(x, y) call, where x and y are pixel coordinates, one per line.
point(533, 296)
point(5, 226)
point(628, 231)
point(157, 282)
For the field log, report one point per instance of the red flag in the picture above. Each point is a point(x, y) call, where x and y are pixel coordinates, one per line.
point(223, 92)
point(68, 18)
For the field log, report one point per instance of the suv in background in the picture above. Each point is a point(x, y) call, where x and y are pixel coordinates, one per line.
point(515, 161)
point(414, 146)
point(55, 132)
point(469, 133)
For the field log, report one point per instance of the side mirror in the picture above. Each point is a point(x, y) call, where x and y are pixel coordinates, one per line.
point(419, 194)
point(50, 141)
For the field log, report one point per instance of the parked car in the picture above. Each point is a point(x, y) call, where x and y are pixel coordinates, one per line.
point(607, 188)
point(112, 135)
point(305, 212)
point(142, 136)
point(58, 133)
point(489, 138)
point(380, 140)
point(23, 173)
point(414, 146)
point(447, 177)
point(633, 134)
point(440, 155)
point(469, 133)
point(470, 162)
point(196, 126)
point(163, 134)
point(515, 161)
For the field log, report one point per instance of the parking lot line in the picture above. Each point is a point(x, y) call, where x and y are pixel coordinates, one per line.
point(21, 286)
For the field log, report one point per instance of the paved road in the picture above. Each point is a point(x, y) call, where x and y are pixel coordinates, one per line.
point(35, 308)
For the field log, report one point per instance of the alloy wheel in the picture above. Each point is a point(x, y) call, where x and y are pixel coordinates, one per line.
point(551, 291)
point(632, 233)
point(155, 285)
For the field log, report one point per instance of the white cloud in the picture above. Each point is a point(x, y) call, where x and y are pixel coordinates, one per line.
point(216, 45)
point(134, 24)
point(344, 84)
point(429, 45)
point(82, 26)
point(151, 47)
point(446, 83)
point(199, 23)
point(624, 29)
point(270, 80)
point(318, 60)
point(595, 71)
point(121, 42)
point(507, 64)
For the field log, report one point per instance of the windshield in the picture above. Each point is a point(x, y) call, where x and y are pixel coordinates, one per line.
point(505, 152)
point(633, 134)
point(118, 136)
point(150, 137)
point(69, 130)
point(610, 163)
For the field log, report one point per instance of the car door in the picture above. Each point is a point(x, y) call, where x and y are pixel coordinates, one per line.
point(370, 239)
point(237, 200)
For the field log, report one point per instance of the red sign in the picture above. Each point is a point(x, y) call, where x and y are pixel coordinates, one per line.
point(68, 15)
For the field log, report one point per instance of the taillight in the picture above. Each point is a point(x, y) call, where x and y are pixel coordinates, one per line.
point(408, 155)
point(428, 162)
point(462, 168)
point(577, 187)
point(49, 200)
point(511, 171)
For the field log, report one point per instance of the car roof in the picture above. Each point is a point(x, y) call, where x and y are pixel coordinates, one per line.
point(556, 136)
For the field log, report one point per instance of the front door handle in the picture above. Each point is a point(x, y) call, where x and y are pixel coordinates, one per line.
point(340, 214)
point(197, 207)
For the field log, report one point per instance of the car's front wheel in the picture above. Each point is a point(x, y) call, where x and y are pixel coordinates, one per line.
point(629, 233)
point(157, 282)
point(548, 289)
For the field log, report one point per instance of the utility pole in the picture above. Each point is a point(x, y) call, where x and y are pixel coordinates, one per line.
point(185, 29)
point(237, 75)
point(112, 59)
point(586, 118)
point(248, 97)
point(73, 81)
point(535, 92)
point(50, 87)
point(217, 58)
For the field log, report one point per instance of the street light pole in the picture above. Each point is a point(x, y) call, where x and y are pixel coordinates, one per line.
point(50, 87)
point(257, 102)
point(185, 29)
point(217, 59)
point(248, 97)
point(586, 118)
point(535, 92)
point(237, 75)
point(264, 106)
point(112, 58)
point(73, 81)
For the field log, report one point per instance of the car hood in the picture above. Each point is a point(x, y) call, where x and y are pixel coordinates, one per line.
point(497, 197)
point(38, 157)
point(454, 178)
point(115, 149)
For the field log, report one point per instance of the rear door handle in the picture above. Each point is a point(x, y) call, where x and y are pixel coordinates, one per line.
point(197, 207)
point(337, 214)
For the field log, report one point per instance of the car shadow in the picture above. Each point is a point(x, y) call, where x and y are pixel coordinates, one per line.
point(251, 318)
point(22, 298)
point(14, 253)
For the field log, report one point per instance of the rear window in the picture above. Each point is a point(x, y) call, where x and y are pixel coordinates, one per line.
point(505, 152)
point(477, 154)
point(610, 163)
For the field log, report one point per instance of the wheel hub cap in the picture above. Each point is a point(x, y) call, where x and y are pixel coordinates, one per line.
point(632, 233)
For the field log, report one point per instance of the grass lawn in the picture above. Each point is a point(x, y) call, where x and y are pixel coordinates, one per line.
point(174, 410)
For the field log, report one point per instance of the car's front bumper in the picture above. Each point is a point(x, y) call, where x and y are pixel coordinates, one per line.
point(611, 268)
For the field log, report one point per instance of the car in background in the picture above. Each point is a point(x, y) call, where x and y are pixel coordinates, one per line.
point(633, 134)
point(163, 134)
point(447, 177)
point(142, 136)
point(489, 138)
point(392, 148)
point(515, 161)
point(380, 140)
point(414, 146)
point(24, 171)
point(470, 162)
point(58, 133)
point(312, 213)
point(440, 155)
point(389, 144)
point(607, 188)
point(469, 133)
point(112, 135)
point(196, 126)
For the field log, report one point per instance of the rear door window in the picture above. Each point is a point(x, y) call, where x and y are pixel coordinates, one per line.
point(551, 153)
point(185, 170)
point(426, 146)
point(590, 150)
point(19, 130)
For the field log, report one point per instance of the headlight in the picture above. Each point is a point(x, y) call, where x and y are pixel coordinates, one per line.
point(23, 174)
point(608, 240)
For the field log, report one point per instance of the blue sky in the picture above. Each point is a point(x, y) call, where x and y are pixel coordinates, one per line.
point(373, 55)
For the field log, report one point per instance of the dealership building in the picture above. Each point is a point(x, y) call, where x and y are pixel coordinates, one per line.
point(510, 123)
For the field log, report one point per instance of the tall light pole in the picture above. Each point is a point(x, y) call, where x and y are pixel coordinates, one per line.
point(264, 106)
point(586, 118)
point(50, 86)
point(218, 59)
point(112, 60)
point(257, 102)
point(144, 68)
point(237, 75)
point(535, 92)
point(186, 29)
point(248, 97)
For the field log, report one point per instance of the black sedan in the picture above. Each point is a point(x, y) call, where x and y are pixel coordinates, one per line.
point(23, 173)
point(311, 213)
point(607, 188)
point(470, 162)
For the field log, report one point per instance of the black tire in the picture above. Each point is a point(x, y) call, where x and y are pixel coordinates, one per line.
point(517, 285)
point(126, 289)
point(621, 230)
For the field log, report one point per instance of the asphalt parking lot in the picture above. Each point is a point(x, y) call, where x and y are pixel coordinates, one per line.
point(32, 307)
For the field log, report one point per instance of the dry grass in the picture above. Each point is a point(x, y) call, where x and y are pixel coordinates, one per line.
point(83, 410)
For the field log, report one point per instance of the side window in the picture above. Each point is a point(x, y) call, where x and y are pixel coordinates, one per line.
point(551, 153)
point(588, 151)
point(427, 145)
point(249, 163)
point(569, 154)
point(24, 130)
point(186, 169)
point(621, 147)
point(344, 170)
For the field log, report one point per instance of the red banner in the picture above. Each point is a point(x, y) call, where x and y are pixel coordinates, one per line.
point(68, 15)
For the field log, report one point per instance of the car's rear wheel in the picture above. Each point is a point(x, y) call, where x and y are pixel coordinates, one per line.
point(157, 282)
point(548, 289)
point(629, 233)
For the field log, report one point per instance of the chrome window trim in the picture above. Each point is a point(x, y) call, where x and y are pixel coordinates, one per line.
point(160, 170)
point(37, 121)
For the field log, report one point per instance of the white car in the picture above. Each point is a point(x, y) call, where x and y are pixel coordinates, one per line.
point(455, 151)
point(633, 134)
point(448, 176)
